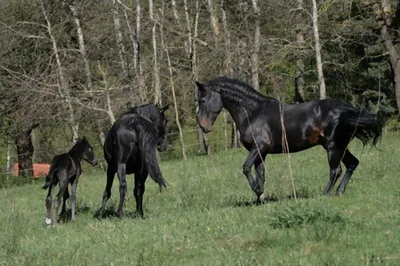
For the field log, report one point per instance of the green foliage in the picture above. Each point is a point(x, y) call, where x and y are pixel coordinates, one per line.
point(8, 180)
point(303, 214)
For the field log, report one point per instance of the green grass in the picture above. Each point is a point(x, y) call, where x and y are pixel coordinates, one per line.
point(206, 216)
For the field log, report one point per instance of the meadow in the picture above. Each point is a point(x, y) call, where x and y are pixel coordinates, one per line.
point(207, 216)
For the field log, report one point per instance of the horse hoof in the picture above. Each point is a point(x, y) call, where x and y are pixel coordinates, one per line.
point(262, 197)
point(48, 221)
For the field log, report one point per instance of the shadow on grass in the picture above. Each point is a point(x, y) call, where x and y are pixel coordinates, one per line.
point(67, 215)
point(110, 212)
point(244, 202)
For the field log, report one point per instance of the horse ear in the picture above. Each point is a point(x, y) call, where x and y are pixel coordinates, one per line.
point(164, 108)
point(84, 139)
point(200, 86)
point(202, 90)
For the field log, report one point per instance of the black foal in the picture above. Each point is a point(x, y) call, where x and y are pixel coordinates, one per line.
point(65, 169)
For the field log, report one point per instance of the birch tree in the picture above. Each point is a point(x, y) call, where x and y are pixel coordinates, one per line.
point(384, 12)
point(299, 76)
point(73, 7)
point(213, 21)
point(191, 51)
point(172, 85)
point(62, 82)
point(321, 80)
point(256, 46)
point(120, 44)
point(156, 71)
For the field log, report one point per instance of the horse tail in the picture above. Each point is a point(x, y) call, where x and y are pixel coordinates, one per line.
point(49, 178)
point(363, 125)
point(147, 137)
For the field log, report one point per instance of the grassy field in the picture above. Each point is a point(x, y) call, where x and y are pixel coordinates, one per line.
point(206, 216)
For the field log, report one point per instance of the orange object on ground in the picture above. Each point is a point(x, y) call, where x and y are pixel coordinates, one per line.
point(39, 169)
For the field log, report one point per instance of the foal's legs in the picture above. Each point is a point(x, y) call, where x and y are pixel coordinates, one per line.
point(351, 163)
point(65, 197)
point(73, 199)
point(138, 191)
point(121, 171)
point(48, 205)
point(110, 179)
point(63, 184)
point(334, 157)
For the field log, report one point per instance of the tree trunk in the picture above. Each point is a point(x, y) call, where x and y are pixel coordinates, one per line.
point(202, 138)
point(8, 167)
point(137, 54)
point(107, 92)
point(256, 47)
point(299, 77)
point(73, 7)
point(176, 16)
point(137, 82)
point(386, 16)
point(120, 45)
point(228, 70)
point(171, 80)
point(62, 84)
point(25, 151)
point(321, 80)
point(213, 21)
point(156, 71)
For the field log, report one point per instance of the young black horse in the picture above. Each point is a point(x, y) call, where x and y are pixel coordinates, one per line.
point(330, 123)
point(130, 147)
point(65, 169)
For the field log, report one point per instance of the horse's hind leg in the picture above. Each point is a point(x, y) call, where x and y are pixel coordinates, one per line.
point(138, 192)
point(48, 205)
point(65, 197)
point(110, 179)
point(334, 157)
point(351, 163)
point(121, 171)
point(63, 186)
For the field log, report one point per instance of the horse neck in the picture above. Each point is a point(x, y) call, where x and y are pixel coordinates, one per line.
point(239, 106)
point(76, 153)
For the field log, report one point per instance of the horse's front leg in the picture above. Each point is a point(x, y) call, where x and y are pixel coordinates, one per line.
point(260, 175)
point(254, 156)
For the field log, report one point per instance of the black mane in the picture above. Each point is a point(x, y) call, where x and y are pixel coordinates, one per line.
point(79, 147)
point(149, 111)
point(236, 89)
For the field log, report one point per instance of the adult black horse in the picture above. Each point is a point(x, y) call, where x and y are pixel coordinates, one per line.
point(330, 123)
point(130, 148)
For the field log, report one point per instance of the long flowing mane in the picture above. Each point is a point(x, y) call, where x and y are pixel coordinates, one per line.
point(149, 111)
point(239, 91)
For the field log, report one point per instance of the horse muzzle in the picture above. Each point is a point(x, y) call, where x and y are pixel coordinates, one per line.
point(205, 125)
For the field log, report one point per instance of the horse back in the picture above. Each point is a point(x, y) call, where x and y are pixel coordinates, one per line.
point(64, 162)
point(305, 124)
point(120, 145)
